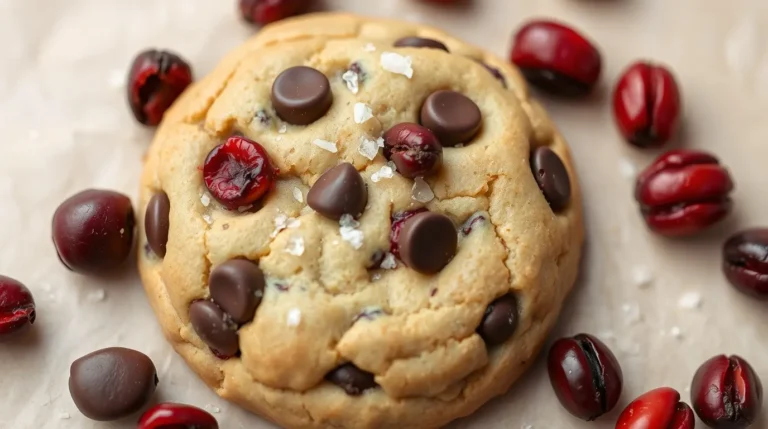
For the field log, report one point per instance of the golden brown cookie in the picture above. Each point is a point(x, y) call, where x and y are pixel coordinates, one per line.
point(403, 295)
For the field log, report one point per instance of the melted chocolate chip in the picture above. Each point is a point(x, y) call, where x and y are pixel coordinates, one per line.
point(112, 383)
point(214, 327)
point(500, 320)
point(340, 190)
point(427, 242)
point(420, 42)
point(156, 222)
point(237, 286)
point(452, 116)
point(301, 95)
point(352, 379)
point(552, 177)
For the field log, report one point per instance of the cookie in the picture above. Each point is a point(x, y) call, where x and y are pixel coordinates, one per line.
point(304, 278)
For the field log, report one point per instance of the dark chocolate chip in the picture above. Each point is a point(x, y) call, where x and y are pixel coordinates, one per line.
point(340, 190)
point(156, 222)
point(420, 42)
point(214, 327)
point(301, 95)
point(428, 242)
point(500, 320)
point(352, 379)
point(452, 116)
point(112, 383)
point(237, 286)
point(552, 177)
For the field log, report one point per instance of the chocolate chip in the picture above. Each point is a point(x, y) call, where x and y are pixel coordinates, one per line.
point(112, 383)
point(237, 286)
point(156, 222)
point(420, 42)
point(340, 190)
point(352, 379)
point(301, 95)
point(552, 177)
point(500, 320)
point(452, 116)
point(427, 242)
point(214, 327)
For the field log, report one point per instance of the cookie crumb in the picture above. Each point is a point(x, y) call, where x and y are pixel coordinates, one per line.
point(294, 317)
point(205, 200)
point(362, 113)
point(396, 63)
point(295, 245)
point(297, 195)
point(368, 148)
point(690, 301)
point(349, 232)
point(421, 191)
point(369, 47)
point(325, 144)
point(385, 172)
point(389, 262)
point(352, 80)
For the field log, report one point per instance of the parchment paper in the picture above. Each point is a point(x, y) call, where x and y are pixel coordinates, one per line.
point(65, 127)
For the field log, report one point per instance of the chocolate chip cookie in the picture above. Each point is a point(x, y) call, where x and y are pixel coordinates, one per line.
point(358, 223)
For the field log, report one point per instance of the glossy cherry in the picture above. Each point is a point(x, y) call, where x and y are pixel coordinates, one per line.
point(556, 58)
point(414, 149)
point(176, 416)
point(238, 173)
point(745, 262)
point(155, 81)
point(267, 11)
point(683, 192)
point(726, 393)
point(658, 409)
point(17, 307)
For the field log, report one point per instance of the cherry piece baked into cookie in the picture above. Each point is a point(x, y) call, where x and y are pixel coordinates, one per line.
point(359, 223)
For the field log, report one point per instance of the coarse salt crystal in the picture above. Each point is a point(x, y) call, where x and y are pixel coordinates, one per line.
point(295, 245)
point(385, 172)
point(368, 148)
point(421, 191)
point(282, 221)
point(283, 129)
point(362, 113)
point(208, 219)
point(690, 301)
point(380, 141)
point(349, 232)
point(642, 277)
point(205, 200)
point(294, 317)
point(396, 63)
point(325, 144)
point(369, 47)
point(389, 262)
point(297, 195)
point(352, 80)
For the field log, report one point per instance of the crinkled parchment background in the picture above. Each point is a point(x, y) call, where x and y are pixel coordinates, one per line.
point(64, 126)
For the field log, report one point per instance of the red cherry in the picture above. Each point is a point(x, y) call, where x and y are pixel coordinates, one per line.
point(156, 80)
point(267, 11)
point(176, 416)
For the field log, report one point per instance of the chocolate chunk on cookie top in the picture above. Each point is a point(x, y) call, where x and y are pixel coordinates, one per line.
point(452, 116)
point(157, 223)
point(301, 95)
point(427, 242)
point(339, 191)
point(237, 286)
point(420, 42)
point(352, 379)
point(552, 177)
point(214, 327)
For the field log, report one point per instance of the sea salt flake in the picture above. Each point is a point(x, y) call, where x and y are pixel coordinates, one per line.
point(295, 245)
point(376, 277)
point(349, 232)
point(421, 191)
point(242, 209)
point(396, 63)
point(631, 314)
point(676, 332)
point(389, 262)
point(362, 113)
point(281, 222)
point(324, 144)
point(297, 195)
point(385, 172)
point(380, 141)
point(352, 80)
point(208, 219)
point(369, 47)
point(205, 200)
point(642, 277)
point(64, 416)
point(283, 129)
point(368, 148)
point(293, 223)
point(294, 317)
point(690, 301)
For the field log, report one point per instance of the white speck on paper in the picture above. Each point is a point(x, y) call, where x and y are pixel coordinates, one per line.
point(205, 200)
point(64, 416)
point(97, 295)
point(294, 317)
point(116, 78)
point(362, 113)
point(297, 195)
point(324, 144)
point(352, 80)
point(676, 332)
point(295, 245)
point(385, 172)
point(208, 219)
point(389, 262)
point(421, 191)
point(369, 47)
point(368, 148)
point(690, 301)
point(283, 129)
point(627, 168)
point(349, 232)
point(396, 63)
point(642, 277)
point(631, 314)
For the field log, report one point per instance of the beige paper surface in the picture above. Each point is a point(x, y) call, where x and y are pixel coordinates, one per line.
point(64, 126)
